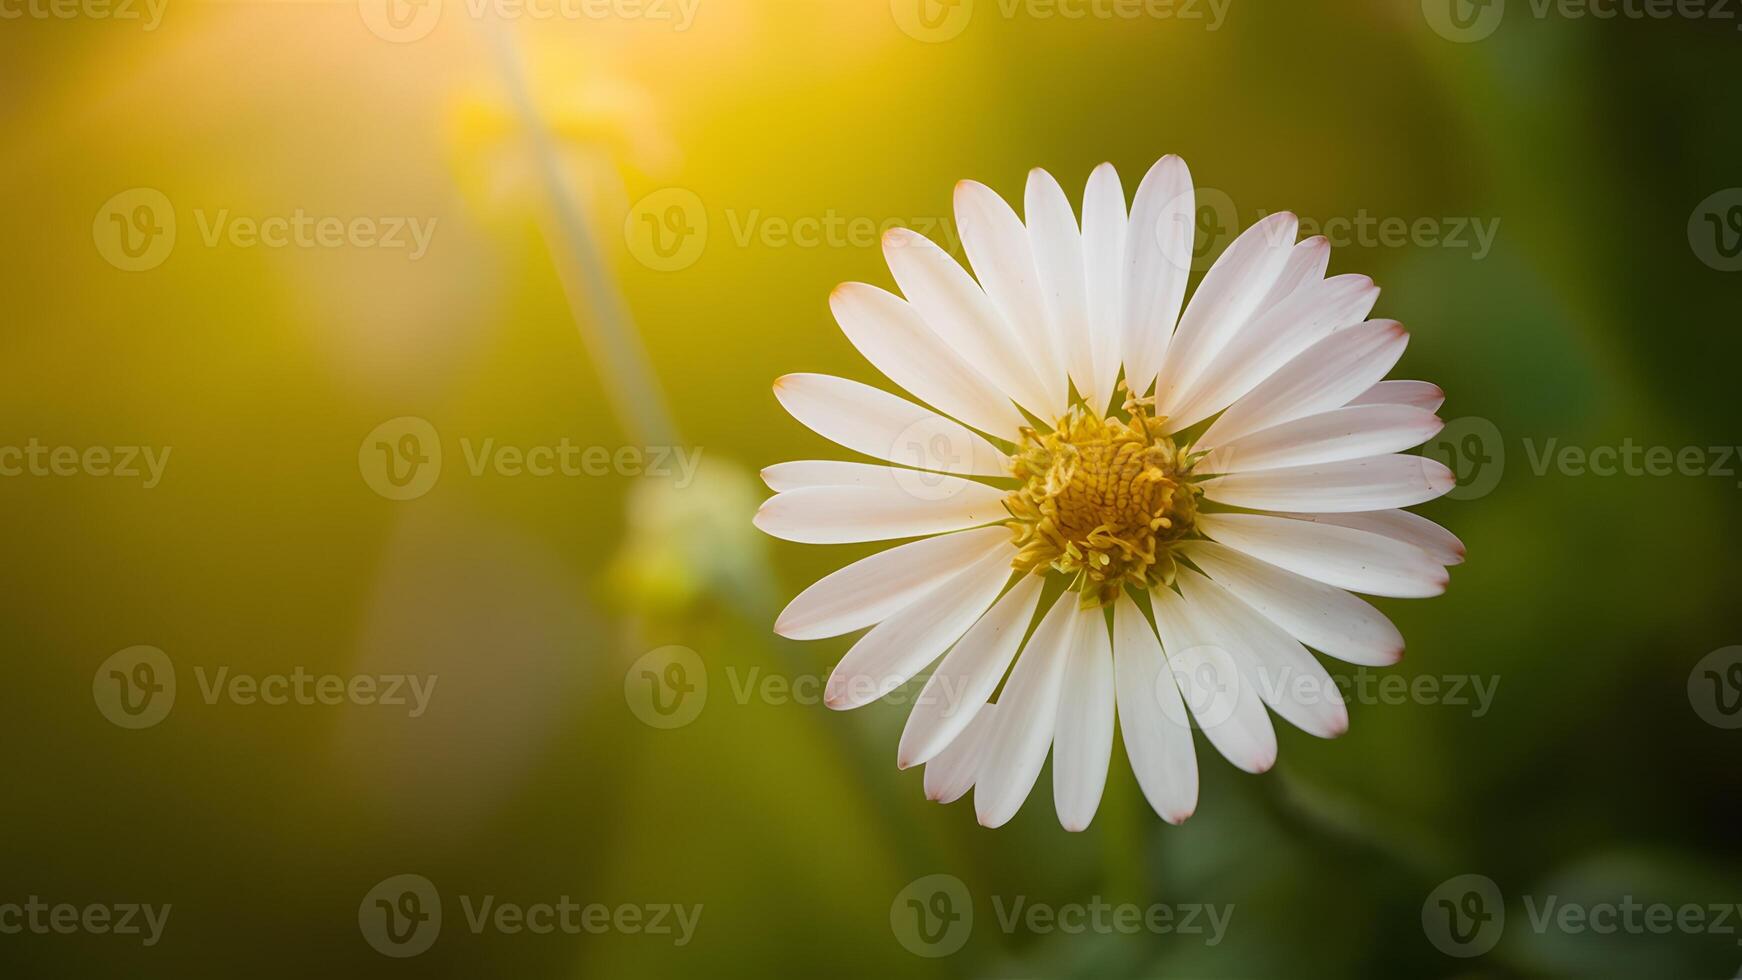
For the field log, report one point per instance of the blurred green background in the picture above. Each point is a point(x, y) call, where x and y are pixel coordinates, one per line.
point(725, 168)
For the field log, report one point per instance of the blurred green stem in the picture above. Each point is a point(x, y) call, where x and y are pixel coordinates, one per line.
point(627, 376)
point(598, 308)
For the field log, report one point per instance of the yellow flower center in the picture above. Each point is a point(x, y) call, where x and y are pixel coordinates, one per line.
point(1101, 500)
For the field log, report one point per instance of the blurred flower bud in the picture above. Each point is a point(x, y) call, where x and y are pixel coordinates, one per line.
point(687, 540)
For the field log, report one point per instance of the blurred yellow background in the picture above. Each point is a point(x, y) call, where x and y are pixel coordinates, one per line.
point(257, 237)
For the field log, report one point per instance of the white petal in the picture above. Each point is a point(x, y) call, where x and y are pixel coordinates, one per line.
point(1421, 394)
point(781, 477)
point(997, 247)
point(838, 515)
point(1058, 258)
point(950, 775)
point(876, 423)
point(1286, 676)
point(1104, 228)
point(902, 645)
point(1223, 701)
point(1271, 340)
point(921, 484)
point(1328, 437)
point(1360, 561)
point(1307, 263)
point(872, 589)
point(957, 309)
point(968, 674)
point(1323, 617)
point(896, 340)
point(1225, 302)
point(1400, 525)
point(1028, 710)
point(1158, 738)
point(1082, 745)
point(1158, 261)
point(1324, 376)
point(1371, 483)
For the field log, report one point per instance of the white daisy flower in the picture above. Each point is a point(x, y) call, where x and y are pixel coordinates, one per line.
point(1237, 468)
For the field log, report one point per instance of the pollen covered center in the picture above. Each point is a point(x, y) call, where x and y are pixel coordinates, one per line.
point(1101, 500)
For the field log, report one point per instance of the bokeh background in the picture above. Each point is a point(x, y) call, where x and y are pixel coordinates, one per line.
point(635, 214)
